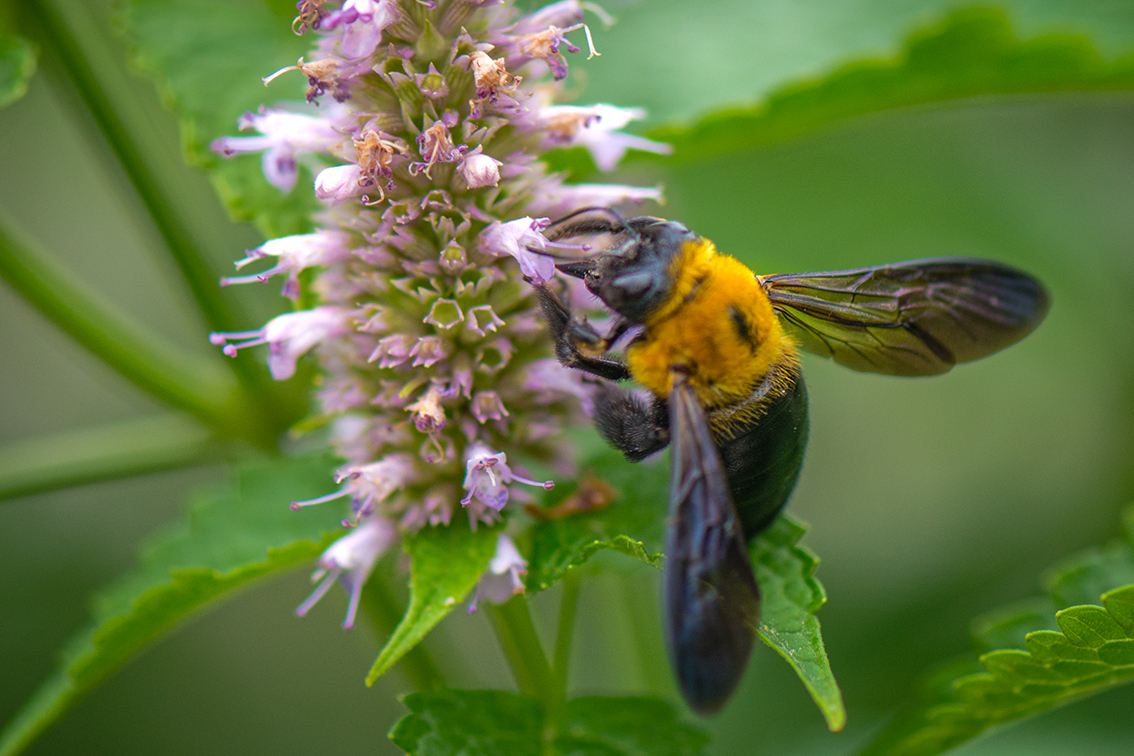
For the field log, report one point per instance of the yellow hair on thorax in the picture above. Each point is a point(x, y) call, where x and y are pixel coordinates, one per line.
point(717, 326)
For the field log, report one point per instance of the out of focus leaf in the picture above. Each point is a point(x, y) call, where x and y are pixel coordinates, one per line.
point(972, 52)
point(1088, 649)
point(678, 64)
point(1082, 579)
point(1007, 627)
point(208, 57)
point(232, 537)
point(632, 523)
point(17, 64)
point(451, 722)
point(446, 564)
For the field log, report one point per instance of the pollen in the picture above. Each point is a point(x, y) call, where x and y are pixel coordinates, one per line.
point(310, 15)
point(563, 127)
point(436, 146)
point(376, 151)
point(491, 75)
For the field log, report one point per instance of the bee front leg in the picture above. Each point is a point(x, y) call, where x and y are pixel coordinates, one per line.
point(577, 344)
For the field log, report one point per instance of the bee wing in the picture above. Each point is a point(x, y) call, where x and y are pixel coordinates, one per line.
point(911, 318)
point(712, 603)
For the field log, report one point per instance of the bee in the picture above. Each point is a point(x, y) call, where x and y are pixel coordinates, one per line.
point(717, 346)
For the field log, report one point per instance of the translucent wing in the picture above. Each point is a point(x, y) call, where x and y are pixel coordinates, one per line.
point(911, 318)
point(712, 604)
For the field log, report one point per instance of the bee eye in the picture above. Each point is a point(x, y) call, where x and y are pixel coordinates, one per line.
point(633, 284)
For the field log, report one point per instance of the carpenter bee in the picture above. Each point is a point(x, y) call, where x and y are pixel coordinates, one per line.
point(718, 350)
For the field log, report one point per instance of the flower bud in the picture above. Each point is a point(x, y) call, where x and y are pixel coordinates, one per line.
point(480, 170)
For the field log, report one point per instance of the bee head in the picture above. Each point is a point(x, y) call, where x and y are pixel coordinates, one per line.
point(627, 264)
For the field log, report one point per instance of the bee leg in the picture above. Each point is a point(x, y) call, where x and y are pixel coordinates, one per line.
point(632, 425)
point(577, 344)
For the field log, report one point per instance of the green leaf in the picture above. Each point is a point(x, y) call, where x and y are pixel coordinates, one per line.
point(627, 725)
point(1006, 628)
point(232, 537)
point(208, 57)
point(791, 596)
point(487, 722)
point(17, 64)
point(971, 52)
point(1080, 580)
point(632, 524)
point(446, 565)
point(743, 50)
point(1092, 650)
point(469, 722)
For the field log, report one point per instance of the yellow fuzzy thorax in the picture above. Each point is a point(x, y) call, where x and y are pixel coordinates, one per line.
point(717, 326)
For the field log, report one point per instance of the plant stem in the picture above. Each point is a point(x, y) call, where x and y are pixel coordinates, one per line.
point(565, 636)
point(638, 627)
point(172, 376)
point(519, 640)
point(383, 611)
point(84, 64)
point(72, 458)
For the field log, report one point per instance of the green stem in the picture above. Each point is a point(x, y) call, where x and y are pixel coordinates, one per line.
point(73, 458)
point(519, 640)
point(71, 36)
point(382, 610)
point(638, 627)
point(172, 376)
point(565, 636)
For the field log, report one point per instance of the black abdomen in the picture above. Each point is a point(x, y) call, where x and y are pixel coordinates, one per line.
point(763, 462)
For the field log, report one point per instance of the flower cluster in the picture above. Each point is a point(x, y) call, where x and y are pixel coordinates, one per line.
point(425, 123)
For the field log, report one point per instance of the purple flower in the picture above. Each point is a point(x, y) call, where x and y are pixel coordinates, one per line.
point(432, 84)
point(547, 379)
point(479, 170)
point(428, 351)
point(483, 320)
point(435, 145)
point(362, 22)
point(392, 350)
point(430, 173)
point(495, 86)
point(487, 407)
point(563, 198)
point(339, 183)
point(350, 560)
point(504, 577)
point(288, 336)
point(367, 485)
point(444, 314)
point(427, 413)
point(596, 128)
point(519, 238)
point(487, 477)
point(294, 254)
point(562, 13)
point(284, 136)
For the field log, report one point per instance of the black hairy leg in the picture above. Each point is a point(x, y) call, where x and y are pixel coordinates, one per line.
point(577, 344)
point(635, 426)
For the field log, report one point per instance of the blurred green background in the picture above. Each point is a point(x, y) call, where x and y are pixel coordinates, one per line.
point(930, 500)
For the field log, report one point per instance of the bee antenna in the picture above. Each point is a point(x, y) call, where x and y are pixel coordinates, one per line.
point(560, 255)
point(589, 220)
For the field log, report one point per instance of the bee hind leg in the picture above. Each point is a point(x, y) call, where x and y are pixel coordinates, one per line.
point(577, 344)
point(631, 424)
